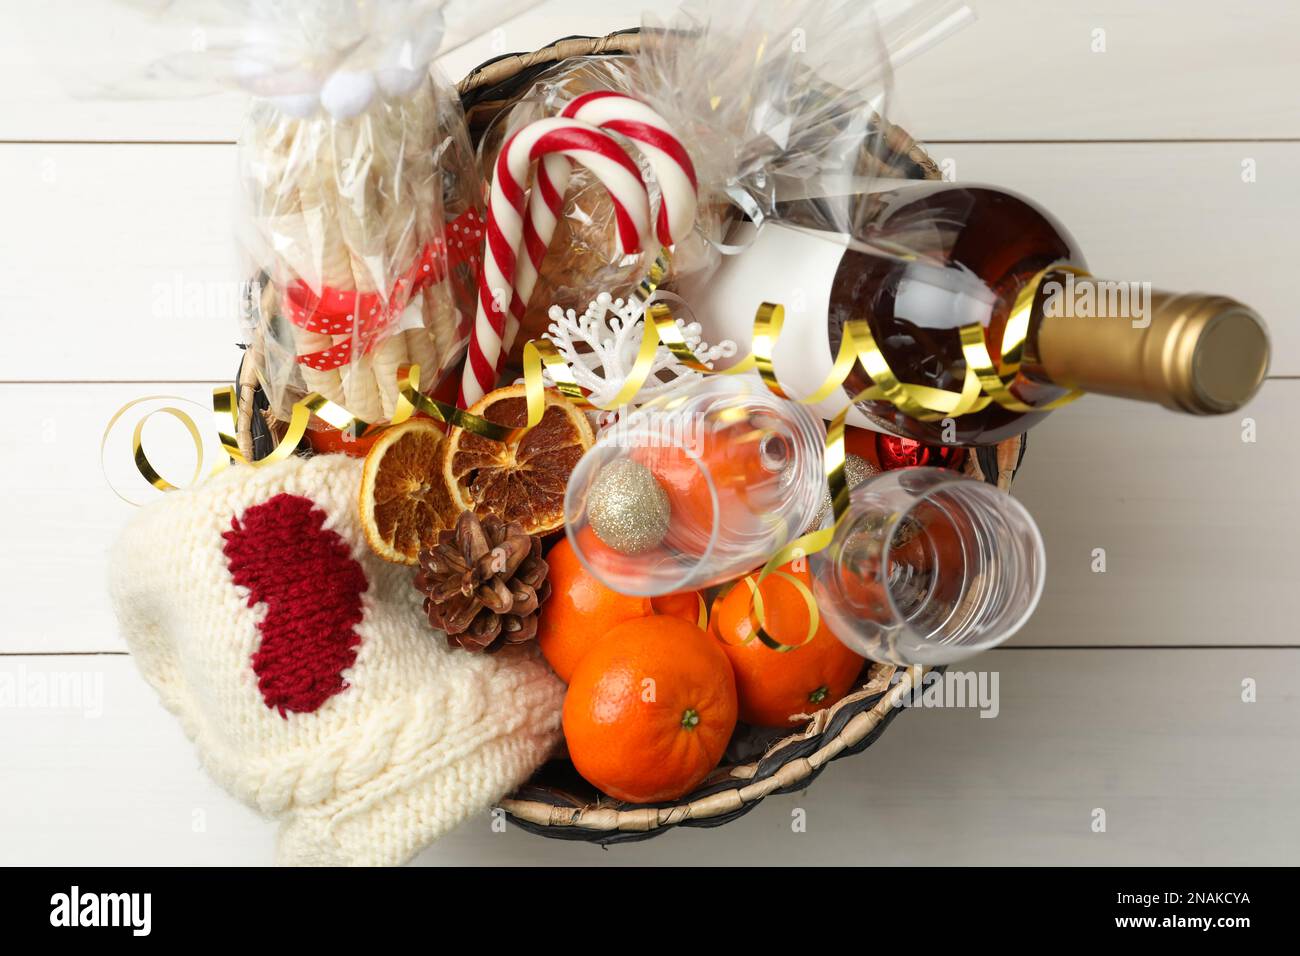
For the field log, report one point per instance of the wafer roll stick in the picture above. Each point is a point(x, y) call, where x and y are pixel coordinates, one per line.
point(442, 320)
point(421, 341)
point(328, 267)
point(360, 390)
point(418, 188)
point(289, 233)
point(389, 356)
point(356, 163)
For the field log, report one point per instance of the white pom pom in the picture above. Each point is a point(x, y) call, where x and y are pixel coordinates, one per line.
point(347, 94)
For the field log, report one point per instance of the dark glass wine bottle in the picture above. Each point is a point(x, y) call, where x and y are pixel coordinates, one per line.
point(933, 257)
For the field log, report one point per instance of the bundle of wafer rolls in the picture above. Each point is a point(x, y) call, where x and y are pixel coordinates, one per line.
point(363, 231)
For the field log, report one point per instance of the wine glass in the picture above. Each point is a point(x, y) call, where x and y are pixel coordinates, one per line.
point(929, 567)
point(695, 489)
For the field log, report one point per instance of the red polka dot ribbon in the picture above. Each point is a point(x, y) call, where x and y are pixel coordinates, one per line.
point(347, 314)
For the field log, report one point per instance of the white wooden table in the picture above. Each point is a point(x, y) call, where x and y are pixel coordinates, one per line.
point(1125, 693)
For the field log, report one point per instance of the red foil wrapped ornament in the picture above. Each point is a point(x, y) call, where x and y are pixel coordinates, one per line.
point(894, 451)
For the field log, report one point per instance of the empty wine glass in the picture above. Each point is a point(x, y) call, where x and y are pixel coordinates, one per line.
point(929, 567)
point(695, 489)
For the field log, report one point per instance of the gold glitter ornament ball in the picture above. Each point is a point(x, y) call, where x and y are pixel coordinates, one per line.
point(627, 507)
point(856, 470)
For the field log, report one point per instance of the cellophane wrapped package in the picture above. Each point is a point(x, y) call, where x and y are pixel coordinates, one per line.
point(774, 100)
point(361, 235)
point(362, 207)
point(584, 257)
point(361, 203)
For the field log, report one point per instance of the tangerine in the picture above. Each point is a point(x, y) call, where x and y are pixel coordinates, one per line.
point(650, 710)
point(579, 611)
point(688, 605)
point(774, 686)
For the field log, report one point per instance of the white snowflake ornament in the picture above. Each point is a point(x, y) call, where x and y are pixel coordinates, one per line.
point(610, 330)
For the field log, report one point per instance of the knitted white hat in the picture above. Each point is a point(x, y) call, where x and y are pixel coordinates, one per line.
point(307, 674)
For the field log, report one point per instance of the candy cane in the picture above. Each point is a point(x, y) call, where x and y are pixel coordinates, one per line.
point(581, 143)
point(669, 161)
point(671, 164)
point(544, 205)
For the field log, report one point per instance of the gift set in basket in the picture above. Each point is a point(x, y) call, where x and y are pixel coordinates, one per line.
point(622, 436)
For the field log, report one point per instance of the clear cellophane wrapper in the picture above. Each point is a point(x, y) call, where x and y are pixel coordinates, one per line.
point(583, 258)
point(787, 102)
point(361, 203)
point(780, 104)
point(361, 236)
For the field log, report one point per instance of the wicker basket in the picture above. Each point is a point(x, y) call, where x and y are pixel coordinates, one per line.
point(558, 803)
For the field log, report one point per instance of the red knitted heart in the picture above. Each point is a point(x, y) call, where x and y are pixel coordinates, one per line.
point(312, 590)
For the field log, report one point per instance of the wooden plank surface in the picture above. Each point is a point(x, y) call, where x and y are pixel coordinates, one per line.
point(60, 513)
point(1026, 69)
point(1109, 69)
point(1186, 772)
point(1194, 521)
point(1195, 524)
point(126, 266)
point(1209, 217)
point(118, 269)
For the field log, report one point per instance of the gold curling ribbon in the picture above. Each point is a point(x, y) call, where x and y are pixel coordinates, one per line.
point(996, 380)
point(411, 400)
point(225, 414)
point(984, 381)
point(224, 406)
point(142, 463)
point(758, 616)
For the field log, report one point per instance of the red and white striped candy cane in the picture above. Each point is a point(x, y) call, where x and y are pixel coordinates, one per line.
point(671, 164)
point(544, 205)
point(669, 161)
point(573, 140)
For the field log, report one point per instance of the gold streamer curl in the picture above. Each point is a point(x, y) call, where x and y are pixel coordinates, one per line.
point(985, 381)
point(138, 455)
point(225, 416)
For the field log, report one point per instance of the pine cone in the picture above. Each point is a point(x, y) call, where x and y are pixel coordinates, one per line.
point(483, 582)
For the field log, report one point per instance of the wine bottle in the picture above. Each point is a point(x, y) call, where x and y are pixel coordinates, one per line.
point(931, 258)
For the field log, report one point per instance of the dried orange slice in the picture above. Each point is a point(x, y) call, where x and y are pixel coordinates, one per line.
point(520, 481)
point(405, 501)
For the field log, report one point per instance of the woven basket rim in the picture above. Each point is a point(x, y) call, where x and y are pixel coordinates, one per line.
point(869, 710)
point(875, 702)
point(848, 726)
point(507, 66)
point(752, 780)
